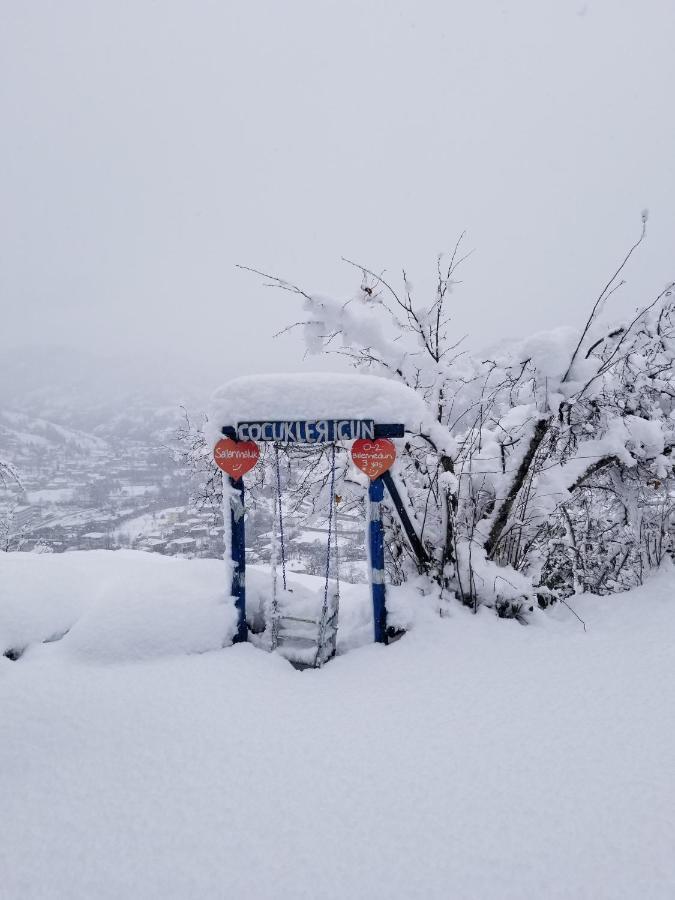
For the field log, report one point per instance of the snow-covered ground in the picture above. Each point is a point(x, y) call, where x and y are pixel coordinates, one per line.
point(475, 758)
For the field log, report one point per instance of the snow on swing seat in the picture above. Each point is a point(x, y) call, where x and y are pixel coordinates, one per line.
point(306, 634)
point(301, 639)
point(314, 396)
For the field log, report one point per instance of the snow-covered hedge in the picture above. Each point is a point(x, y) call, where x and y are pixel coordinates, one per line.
point(539, 467)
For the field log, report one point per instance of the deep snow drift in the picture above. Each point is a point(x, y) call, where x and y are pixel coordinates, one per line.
point(475, 758)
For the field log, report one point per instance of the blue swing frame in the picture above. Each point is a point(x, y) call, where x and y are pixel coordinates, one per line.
point(317, 432)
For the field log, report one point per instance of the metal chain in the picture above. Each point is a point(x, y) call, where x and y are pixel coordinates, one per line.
point(337, 548)
point(275, 602)
point(324, 610)
point(330, 524)
point(281, 517)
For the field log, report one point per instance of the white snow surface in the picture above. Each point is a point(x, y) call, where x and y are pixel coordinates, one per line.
point(113, 607)
point(474, 758)
point(314, 396)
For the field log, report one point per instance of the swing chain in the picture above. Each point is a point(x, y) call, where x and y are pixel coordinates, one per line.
point(330, 525)
point(281, 517)
point(274, 617)
point(338, 500)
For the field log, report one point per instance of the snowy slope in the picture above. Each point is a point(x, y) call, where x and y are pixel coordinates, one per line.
point(18, 430)
point(475, 758)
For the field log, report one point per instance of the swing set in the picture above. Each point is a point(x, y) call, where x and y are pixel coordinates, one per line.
point(372, 451)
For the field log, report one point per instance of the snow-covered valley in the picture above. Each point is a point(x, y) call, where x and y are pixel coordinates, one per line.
point(474, 758)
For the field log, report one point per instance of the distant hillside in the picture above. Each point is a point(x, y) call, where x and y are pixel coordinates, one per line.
point(21, 434)
point(129, 398)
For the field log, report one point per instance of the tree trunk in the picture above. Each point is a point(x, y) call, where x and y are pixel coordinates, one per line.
point(502, 516)
point(450, 509)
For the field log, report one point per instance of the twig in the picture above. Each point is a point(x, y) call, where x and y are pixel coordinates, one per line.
point(573, 612)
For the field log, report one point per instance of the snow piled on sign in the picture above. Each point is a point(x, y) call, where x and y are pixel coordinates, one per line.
point(318, 395)
point(474, 758)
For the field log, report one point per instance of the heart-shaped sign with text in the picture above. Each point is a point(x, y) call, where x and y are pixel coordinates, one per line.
point(373, 457)
point(235, 457)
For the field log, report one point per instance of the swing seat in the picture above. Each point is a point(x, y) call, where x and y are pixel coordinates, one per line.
point(306, 636)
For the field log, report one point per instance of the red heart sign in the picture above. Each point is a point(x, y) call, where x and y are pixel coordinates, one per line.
point(235, 457)
point(373, 457)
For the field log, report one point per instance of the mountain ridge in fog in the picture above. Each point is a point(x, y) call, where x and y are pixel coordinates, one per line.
point(91, 392)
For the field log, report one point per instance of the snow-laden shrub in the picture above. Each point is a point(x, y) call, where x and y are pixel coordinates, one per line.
point(550, 466)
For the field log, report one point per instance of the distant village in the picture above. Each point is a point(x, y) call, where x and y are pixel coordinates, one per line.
point(107, 497)
point(127, 494)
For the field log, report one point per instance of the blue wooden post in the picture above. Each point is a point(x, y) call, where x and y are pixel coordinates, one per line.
point(238, 551)
point(375, 495)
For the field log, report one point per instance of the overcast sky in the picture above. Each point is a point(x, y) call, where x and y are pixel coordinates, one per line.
point(148, 147)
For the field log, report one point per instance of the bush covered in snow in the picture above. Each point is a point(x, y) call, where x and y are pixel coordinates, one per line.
point(542, 467)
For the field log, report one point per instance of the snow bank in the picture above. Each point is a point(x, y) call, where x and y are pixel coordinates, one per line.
point(157, 614)
point(108, 607)
point(113, 606)
point(474, 758)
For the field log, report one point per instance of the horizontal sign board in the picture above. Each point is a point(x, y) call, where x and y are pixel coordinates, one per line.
point(314, 432)
point(301, 432)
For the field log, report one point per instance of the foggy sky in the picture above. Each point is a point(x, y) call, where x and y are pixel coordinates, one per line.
point(148, 147)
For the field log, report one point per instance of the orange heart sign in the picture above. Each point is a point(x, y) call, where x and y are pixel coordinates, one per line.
point(373, 457)
point(235, 457)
